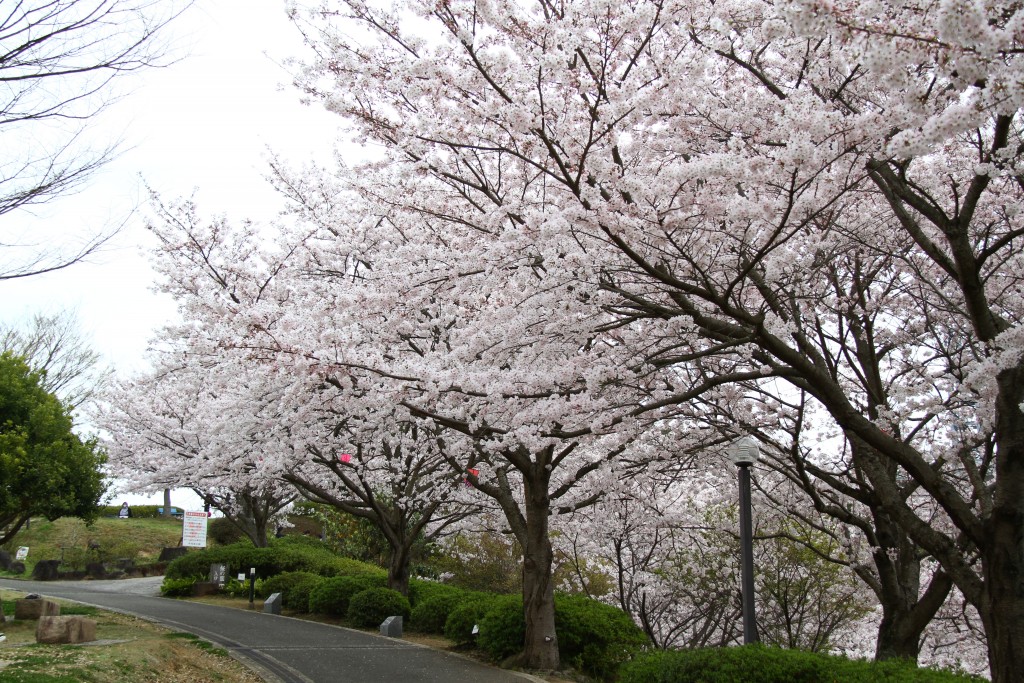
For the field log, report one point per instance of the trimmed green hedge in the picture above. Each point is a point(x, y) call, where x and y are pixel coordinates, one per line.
point(421, 590)
point(294, 587)
point(430, 616)
point(593, 637)
point(759, 664)
point(464, 616)
point(369, 608)
point(141, 511)
point(283, 555)
point(333, 595)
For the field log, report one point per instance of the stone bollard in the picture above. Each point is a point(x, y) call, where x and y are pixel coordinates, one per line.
point(35, 608)
point(65, 630)
point(392, 627)
point(272, 604)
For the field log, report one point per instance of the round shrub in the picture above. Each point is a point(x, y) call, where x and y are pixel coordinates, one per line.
point(333, 595)
point(458, 627)
point(430, 615)
point(372, 606)
point(222, 532)
point(421, 591)
point(294, 587)
point(503, 629)
point(593, 637)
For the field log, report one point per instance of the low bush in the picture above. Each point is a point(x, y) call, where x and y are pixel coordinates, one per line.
point(283, 555)
point(332, 596)
point(759, 664)
point(593, 637)
point(177, 588)
point(371, 607)
point(420, 590)
point(222, 532)
point(502, 629)
point(458, 627)
point(141, 511)
point(430, 616)
point(294, 587)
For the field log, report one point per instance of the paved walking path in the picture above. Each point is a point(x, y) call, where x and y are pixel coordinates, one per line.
point(281, 649)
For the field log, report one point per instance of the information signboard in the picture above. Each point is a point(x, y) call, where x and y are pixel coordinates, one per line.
point(193, 534)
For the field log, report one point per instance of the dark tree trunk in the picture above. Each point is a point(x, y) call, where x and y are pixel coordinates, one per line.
point(167, 503)
point(398, 568)
point(541, 644)
point(906, 612)
point(1002, 606)
point(903, 623)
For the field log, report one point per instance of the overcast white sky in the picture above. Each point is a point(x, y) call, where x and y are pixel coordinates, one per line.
point(203, 123)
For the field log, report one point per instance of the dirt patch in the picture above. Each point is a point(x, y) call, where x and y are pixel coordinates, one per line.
point(127, 649)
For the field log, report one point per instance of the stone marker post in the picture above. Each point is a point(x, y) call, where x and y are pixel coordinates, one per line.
point(272, 604)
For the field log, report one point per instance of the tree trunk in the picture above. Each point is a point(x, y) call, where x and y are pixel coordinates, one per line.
point(541, 643)
point(398, 569)
point(167, 503)
point(906, 612)
point(1002, 606)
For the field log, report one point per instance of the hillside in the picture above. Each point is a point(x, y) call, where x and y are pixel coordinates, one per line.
point(105, 540)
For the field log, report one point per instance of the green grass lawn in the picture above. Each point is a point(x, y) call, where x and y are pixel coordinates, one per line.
point(68, 538)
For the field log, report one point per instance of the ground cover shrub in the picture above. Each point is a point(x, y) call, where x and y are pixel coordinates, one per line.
point(332, 596)
point(140, 511)
point(371, 607)
point(760, 664)
point(280, 557)
point(222, 532)
point(294, 587)
point(458, 627)
point(502, 629)
point(420, 590)
point(430, 616)
point(177, 587)
point(593, 637)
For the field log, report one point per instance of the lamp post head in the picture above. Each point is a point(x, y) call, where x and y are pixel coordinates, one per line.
point(744, 451)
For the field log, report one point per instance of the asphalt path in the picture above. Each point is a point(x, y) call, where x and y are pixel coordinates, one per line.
point(280, 649)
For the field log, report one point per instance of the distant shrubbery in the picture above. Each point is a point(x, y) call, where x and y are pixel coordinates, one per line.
point(759, 664)
point(141, 511)
point(288, 554)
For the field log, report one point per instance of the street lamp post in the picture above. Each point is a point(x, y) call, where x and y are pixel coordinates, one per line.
point(744, 454)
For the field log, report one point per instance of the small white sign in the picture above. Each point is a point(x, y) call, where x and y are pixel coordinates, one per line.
point(193, 531)
point(241, 577)
point(22, 553)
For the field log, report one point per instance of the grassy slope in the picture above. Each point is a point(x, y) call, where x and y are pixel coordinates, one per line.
point(136, 538)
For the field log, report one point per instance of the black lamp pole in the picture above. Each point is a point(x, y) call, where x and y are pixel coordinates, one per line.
point(744, 454)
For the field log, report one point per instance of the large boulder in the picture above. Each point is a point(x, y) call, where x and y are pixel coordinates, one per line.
point(46, 570)
point(17, 567)
point(35, 608)
point(65, 630)
point(5, 560)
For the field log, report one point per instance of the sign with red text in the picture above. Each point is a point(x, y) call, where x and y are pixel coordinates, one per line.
point(193, 531)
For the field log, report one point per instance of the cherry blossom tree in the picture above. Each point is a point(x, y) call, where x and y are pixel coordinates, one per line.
point(722, 182)
point(171, 428)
